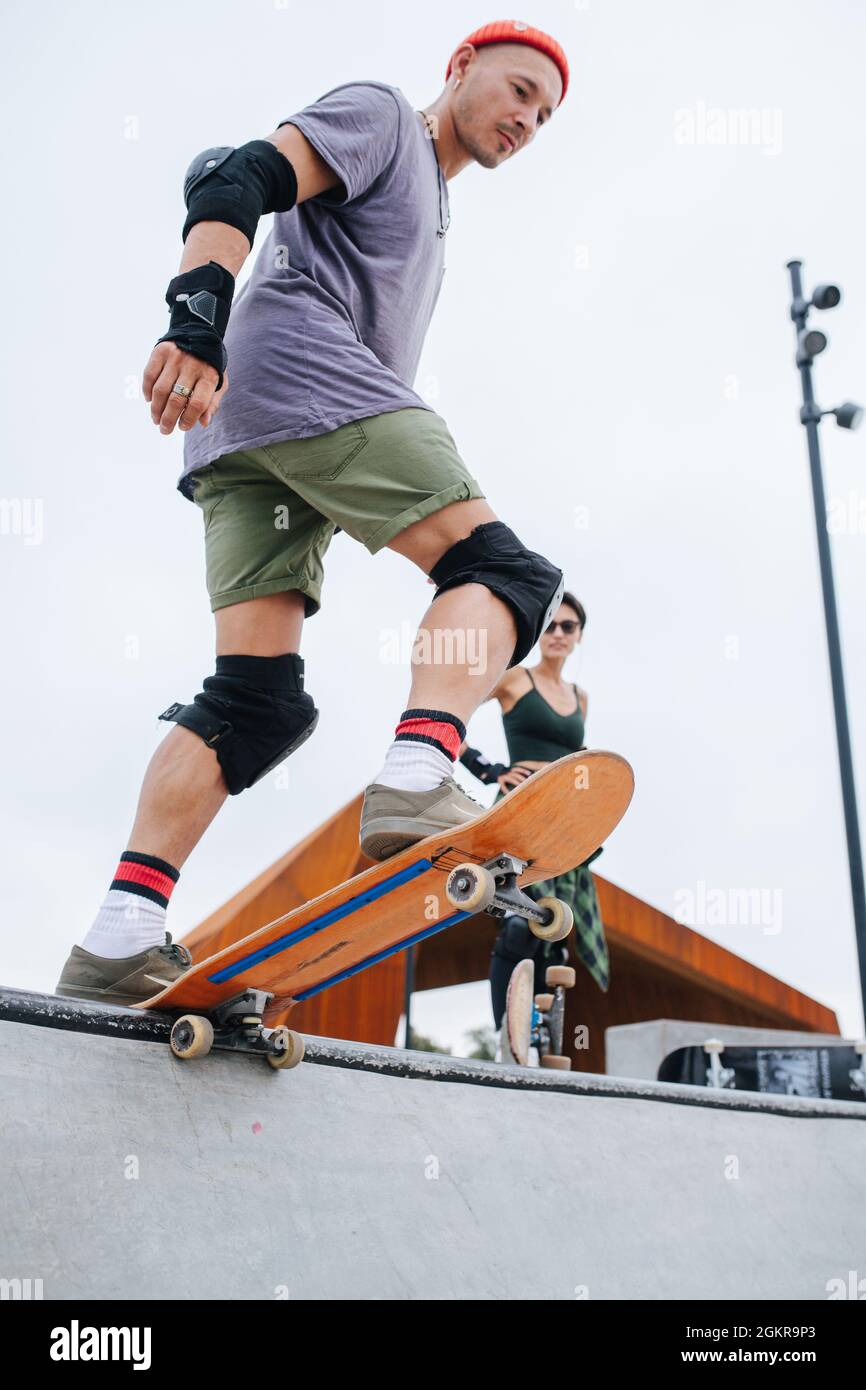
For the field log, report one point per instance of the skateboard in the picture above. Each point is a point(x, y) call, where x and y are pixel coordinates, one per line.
point(550, 822)
point(833, 1072)
point(533, 1027)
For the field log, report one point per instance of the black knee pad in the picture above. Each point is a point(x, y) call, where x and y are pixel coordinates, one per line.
point(493, 556)
point(254, 712)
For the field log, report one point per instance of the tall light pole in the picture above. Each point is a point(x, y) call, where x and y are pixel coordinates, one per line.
point(811, 342)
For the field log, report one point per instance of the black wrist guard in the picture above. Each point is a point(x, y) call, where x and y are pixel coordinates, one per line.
point(200, 301)
point(480, 767)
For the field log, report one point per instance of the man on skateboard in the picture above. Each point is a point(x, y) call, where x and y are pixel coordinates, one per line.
point(320, 432)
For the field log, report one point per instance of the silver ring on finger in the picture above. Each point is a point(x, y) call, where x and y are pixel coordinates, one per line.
point(179, 390)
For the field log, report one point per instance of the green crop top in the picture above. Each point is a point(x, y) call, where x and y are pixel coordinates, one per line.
point(534, 730)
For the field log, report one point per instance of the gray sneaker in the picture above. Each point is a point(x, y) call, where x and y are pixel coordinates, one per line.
point(392, 819)
point(129, 980)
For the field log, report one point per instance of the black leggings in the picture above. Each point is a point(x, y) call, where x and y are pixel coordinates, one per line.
point(514, 943)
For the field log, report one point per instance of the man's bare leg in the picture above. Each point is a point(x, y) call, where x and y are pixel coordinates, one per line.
point(124, 956)
point(183, 786)
point(486, 629)
point(466, 639)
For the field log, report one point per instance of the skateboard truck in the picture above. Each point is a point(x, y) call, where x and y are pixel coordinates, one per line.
point(548, 1018)
point(236, 1025)
point(535, 1025)
point(492, 887)
point(723, 1078)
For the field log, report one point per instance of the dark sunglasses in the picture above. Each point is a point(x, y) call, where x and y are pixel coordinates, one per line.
point(569, 626)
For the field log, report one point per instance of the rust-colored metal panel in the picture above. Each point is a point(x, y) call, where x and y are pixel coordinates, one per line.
point(658, 946)
point(365, 1008)
point(328, 855)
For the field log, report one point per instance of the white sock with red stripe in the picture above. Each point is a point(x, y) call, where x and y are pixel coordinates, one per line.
point(132, 916)
point(424, 750)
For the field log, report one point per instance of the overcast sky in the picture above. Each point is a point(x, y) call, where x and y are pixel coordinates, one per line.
point(613, 355)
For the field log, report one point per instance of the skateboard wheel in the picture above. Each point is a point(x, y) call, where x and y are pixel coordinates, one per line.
point(289, 1047)
point(544, 1003)
point(517, 1025)
point(555, 1063)
point(470, 887)
point(191, 1036)
point(560, 975)
point(560, 924)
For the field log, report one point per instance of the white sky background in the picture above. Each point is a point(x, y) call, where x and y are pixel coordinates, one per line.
point(613, 355)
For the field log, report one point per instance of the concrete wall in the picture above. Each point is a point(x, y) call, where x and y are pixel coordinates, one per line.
point(375, 1174)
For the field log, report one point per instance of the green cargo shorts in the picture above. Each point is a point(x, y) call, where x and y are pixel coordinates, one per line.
point(270, 513)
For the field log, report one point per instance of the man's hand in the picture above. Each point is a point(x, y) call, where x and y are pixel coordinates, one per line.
point(168, 366)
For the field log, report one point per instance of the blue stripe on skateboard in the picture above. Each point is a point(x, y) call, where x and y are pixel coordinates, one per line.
point(374, 960)
point(282, 943)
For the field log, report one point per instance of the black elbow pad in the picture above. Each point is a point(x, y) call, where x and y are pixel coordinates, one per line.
point(238, 186)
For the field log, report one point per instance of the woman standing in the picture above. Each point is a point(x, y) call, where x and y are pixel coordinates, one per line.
point(544, 719)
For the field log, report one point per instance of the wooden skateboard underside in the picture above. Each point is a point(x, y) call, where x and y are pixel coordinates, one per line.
point(554, 820)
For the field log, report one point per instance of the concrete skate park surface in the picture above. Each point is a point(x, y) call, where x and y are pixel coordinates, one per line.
point(373, 1173)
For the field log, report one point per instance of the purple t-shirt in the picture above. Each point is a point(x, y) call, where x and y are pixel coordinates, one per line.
point(330, 325)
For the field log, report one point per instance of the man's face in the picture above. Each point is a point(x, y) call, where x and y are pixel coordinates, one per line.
point(507, 93)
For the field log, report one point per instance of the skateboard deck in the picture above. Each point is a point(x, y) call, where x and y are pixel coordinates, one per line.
point(833, 1072)
point(533, 1027)
point(516, 1037)
point(546, 825)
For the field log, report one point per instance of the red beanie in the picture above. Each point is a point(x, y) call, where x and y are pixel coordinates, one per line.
point(516, 31)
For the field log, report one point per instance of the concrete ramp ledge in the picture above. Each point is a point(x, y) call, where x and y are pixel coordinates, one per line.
point(77, 1016)
point(132, 1175)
